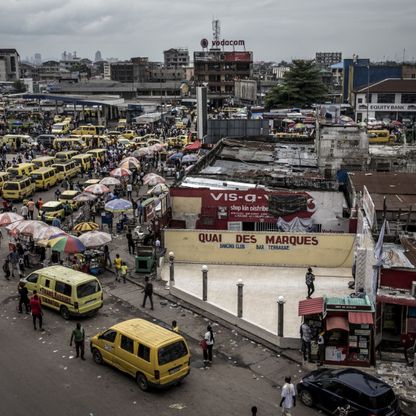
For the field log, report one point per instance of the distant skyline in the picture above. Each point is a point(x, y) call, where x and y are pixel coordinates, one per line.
point(274, 30)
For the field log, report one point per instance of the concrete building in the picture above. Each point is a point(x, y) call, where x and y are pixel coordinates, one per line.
point(220, 69)
point(176, 57)
point(98, 56)
point(394, 99)
point(11, 65)
point(341, 148)
point(106, 71)
point(279, 71)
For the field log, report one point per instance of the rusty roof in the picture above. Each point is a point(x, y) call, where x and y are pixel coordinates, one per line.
point(385, 183)
point(392, 85)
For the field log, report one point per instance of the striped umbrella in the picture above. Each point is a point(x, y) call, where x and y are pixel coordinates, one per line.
point(83, 227)
point(8, 218)
point(30, 227)
point(108, 181)
point(95, 239)
point(129, 163)
point(46, 233)
point(118, 205)
point(66, 244)
point(120, 172)
point(153, 179)
point(85, 197)
point(97, 189)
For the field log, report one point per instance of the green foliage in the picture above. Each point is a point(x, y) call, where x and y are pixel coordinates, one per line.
point(19, 86)
point(302, 86)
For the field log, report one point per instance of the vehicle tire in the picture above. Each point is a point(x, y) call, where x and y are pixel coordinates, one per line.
point(97, 357)
point(142, 382)
point(306, 398)
point(64, 312)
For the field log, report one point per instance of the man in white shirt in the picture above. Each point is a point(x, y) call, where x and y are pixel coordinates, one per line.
point(24, 211)
point(288, 397)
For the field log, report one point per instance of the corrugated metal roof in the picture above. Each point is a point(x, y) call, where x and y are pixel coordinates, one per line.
point(385, 183)
point(392, 85)
point(311, 306)
point(360, 318)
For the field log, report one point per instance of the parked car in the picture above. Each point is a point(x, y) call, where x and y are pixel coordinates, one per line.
point(330, 389)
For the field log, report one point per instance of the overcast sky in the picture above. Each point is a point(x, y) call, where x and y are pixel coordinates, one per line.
point(272, 29)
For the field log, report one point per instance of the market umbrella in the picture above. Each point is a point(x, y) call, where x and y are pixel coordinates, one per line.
point(118, 205)
point(177, 155)
point(120, 172)
point(97, 189)
point(190, 158)
point(83, 227)
point(46, 233)
point(287, 120)
point(158, 189)
point(8, 218)
point(396, 123)
point(67, 244)
point(85, 197)
point(299, 126)
point(129, 163)
point(30, 227)
point(196, 145)
point(143, 151)
point(153, 179)
point(95, 238)
point(11, 228)
point(108, 181)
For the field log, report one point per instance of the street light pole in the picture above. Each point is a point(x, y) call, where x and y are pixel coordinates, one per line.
point(280, 315)
point(171, 269)
point(240, 286)
point(204, 270)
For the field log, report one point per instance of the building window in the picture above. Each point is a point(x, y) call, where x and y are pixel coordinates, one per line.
point(360, 101)
point(408, 98)
point(386, 98)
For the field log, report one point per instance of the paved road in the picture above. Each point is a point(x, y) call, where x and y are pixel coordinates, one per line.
point(40, 376)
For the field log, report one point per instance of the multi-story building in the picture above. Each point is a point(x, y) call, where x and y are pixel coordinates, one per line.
point(106, 71)
point(220, 69)
point(176, 57)
point(136, 70)
point(393, 99)
point(326, 59)
point(10, 70)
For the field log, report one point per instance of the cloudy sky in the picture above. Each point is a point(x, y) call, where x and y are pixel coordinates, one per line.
point(272, 29)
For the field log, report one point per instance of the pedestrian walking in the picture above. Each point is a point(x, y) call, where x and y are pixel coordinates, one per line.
point(23, 297)
point(24, 211)
point(123, 271)
point(175, 327)
point(78, 336)
point(148, 292)
point(288, 401)
point(117, 265)
point(130, 241)
point(107, 259)
point(31, 208)
point(6, 269)
point(309, 280)
point(129, 190)
point(305, 335)
point(14, 262)
point(36, 308)
point(209, 339)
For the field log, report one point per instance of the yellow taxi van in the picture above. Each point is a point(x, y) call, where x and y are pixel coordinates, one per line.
point(44, 178)
point(64, 156)
point(68, 291)
point(88, 129)
point(99, 154)
point(69, 143)
point(379, 136)
point(4, 176)
point(68, 197)
point(43, 162)
point(18, 188)
point(51, 210)
point(61, 127)
point(84, 160)
point(154, 356)
point(66, 169)
point(21, 169)
point(17, 141)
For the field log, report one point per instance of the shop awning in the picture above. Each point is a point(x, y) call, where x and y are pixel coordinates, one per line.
point(397, 300)
point(360, 318)
point(311, 306)
point(337, 322)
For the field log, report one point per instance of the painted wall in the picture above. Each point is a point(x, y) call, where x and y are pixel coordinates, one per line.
point(261, 248)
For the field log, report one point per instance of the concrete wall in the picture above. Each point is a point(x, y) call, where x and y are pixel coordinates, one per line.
point(261, 248)
point(218, 129)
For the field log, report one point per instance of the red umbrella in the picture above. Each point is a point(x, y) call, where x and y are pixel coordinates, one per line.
point(196, 145)
point(8, 218)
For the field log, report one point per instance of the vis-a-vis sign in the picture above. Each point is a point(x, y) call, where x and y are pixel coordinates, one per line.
point(261, 248)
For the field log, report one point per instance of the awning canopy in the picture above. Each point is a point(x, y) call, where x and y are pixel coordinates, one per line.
point(311, 306)
point(337, 322)
point(360, 318)
point(397, 300)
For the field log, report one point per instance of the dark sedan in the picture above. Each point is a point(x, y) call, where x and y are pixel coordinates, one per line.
point(366, 395)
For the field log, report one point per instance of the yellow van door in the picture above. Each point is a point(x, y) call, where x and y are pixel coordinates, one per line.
point(106, 342)
point(173, 361)
point(124, 354)
point(88, 297)
point(47, 292)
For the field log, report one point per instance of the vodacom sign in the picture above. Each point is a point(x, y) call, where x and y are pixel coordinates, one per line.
point(214, 43)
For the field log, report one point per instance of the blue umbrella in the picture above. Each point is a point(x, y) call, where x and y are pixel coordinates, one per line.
point(17, 123)
point(118, 205)
point(178, 155)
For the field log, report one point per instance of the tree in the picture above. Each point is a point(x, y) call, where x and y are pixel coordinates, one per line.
point(19, 86)
point(302, 86)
